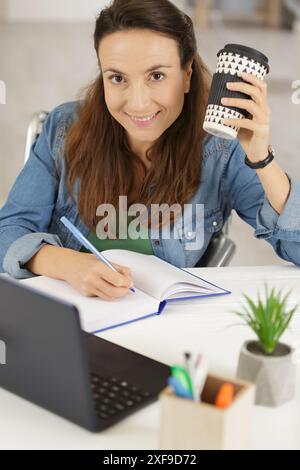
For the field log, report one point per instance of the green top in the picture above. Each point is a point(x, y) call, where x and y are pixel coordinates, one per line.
point(141, 245)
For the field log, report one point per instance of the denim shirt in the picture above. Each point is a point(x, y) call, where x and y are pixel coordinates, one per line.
point(30, 217)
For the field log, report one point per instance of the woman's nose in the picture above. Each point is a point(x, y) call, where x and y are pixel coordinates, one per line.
point(138, 98)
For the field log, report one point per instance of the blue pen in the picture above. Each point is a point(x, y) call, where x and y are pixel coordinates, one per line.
point(81, 238)
point(178, 388)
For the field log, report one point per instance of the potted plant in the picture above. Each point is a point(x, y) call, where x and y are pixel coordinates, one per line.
point(266, 361)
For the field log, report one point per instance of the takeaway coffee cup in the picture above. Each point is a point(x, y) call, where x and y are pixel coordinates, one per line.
point(234, 58)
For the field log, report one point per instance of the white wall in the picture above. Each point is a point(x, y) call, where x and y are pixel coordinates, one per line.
point(53, 10)
point(2, 9)
point(57, 10)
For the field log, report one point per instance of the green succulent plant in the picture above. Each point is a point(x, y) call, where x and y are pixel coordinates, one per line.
point(268, 319)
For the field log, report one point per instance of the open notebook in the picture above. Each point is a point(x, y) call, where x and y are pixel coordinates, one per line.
point(156, 283)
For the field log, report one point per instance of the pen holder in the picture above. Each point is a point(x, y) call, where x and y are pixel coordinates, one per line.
point(189, 425)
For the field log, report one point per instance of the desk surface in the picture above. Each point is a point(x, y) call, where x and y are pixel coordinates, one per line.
point(205, 325)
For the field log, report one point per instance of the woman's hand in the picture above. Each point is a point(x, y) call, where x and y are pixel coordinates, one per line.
point(92, 278)
point(253, 134)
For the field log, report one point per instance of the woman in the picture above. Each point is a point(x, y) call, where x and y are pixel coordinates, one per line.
point(95, 150)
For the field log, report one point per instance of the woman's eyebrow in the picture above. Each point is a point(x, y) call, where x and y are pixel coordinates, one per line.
point(154, 67)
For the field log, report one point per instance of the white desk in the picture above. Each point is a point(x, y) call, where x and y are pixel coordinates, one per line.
point(201, 325)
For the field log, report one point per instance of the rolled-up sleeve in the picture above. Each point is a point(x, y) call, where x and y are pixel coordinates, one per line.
point(27, 213)
point(248, 198)
point(287, 224)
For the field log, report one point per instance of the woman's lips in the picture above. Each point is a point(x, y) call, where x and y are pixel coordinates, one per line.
point(144, 123)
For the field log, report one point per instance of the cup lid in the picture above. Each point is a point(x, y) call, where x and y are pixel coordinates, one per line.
point(248, 52)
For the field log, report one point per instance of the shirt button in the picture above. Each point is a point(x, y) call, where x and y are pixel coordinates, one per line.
point(215, 223)
point(157, 242)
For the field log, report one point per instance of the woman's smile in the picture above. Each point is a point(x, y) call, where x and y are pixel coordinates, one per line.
point(143, 122)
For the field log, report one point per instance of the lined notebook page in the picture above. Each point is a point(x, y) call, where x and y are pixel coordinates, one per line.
point(157, 277)
point(94, 312)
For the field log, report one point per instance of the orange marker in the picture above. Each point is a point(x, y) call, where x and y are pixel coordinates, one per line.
point(225, 396)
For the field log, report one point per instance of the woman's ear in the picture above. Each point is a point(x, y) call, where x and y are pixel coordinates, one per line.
point(188, 75)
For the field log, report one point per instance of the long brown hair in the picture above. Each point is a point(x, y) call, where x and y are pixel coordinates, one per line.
point(96, 149)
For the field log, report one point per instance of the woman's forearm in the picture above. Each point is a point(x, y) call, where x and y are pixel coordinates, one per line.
point(254, 136)
point(276, 185)
point(83, 271)
point(51, 261)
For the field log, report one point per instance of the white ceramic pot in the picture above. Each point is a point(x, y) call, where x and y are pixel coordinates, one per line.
point(274, 375)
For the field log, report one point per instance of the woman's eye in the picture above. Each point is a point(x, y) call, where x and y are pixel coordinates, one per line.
point(117, 77)
point(157, 74)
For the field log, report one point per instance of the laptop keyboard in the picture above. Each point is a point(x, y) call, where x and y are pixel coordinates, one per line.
point(113, 395)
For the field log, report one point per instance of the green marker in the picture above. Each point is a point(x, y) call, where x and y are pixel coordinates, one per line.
point(181, 374)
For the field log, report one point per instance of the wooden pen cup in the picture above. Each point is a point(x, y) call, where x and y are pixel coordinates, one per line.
point(186, 424)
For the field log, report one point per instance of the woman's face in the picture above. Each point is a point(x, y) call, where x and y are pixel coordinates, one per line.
point(134, 91)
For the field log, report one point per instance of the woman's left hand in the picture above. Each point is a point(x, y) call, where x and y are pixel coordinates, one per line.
point(254, 133)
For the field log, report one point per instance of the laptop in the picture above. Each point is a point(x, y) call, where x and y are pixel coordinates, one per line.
point(53, 363)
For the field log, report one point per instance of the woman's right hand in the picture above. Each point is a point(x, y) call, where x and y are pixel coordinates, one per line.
point(92, 278)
